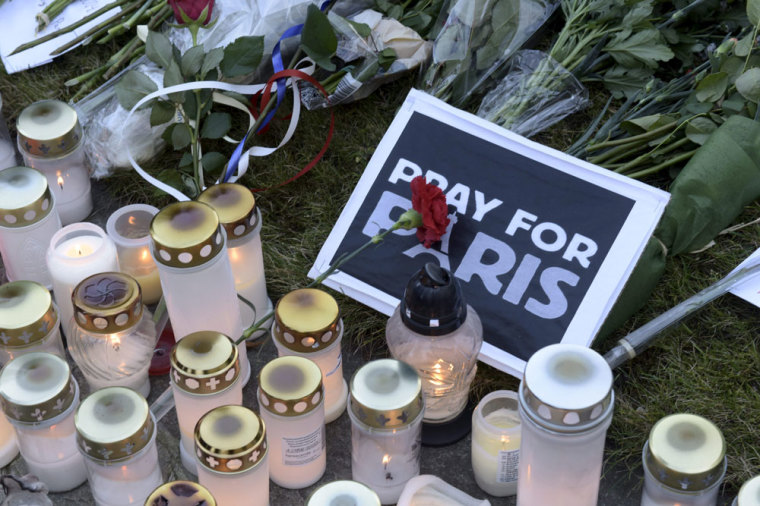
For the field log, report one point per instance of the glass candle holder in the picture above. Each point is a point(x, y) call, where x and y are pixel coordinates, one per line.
point(749, 494)
point(8, 442)
point(188, 246)
point(308, 324)
point(291, 404)
point(205, 374)
point(113, 332)
point(28, 220)
point(495, 448)
point(39, 397)
point(684, 462)
point(129, 228)
point(386, 410)
point(436, 332)
point(236, 207)
point(76, 252)
point(181, 493)
point(231, 447)
point(7, 151)
point(50, 140)
point(343, 492)
point(566, 403)
point(28, 321)
point(116, 434)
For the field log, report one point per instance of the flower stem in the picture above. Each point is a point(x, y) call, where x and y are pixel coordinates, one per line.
point(94, 30)
point(672, 161)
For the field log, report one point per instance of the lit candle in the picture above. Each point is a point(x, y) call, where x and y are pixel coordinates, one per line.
point(129, 228)
point(39, 398)
point(386, 409)
point(343, 492)
point(76, 252)
point(496, 443)
point(50, 140)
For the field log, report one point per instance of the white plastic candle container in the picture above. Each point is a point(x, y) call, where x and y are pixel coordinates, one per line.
point(7, 151)
point(749, 494)
point(684, 462)
point(181, 493)
point(39, 397)
point(188, 245)
point(308, 324)
point(386, 410)
point(231, 449)
point(76, 252)
point(495, 448)
point(116, 434)
point(205, 375)
point(113, 334)
point(129, 228)
point(28, 220)
point(8, 442)
point(28, 321)
point(343, 492)
point(566, 403)
point(291, 404)
point(50, 140)
point(236, 207)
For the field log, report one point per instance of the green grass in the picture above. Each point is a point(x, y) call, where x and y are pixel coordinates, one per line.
point(709, 365)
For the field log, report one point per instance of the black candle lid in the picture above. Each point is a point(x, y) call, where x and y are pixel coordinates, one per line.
point(433, 303)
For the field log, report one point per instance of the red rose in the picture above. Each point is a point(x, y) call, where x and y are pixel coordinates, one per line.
point(430, 202)
point(192, 9)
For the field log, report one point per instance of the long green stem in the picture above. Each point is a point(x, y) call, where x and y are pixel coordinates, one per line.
point(94, 30)
point(655, 168)
point(652, 134)
point(50, 12)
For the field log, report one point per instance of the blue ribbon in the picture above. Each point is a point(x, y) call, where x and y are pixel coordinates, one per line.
point(278, 66)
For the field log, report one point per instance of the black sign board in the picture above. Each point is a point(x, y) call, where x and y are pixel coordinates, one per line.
point(541, 242)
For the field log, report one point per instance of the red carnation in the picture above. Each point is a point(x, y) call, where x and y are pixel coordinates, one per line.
point(430, 202)
point(193, 9)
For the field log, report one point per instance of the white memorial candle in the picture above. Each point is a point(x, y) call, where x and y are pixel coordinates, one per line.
point(181, 493)
point(8, 443)
point(7, 154)
point(76, 252)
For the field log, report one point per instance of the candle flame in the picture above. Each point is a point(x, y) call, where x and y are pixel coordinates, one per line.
point(115, 342)
point(79, 251)
point(60, 179)
point(144, 255)
point(131, 220)
point(386, 460)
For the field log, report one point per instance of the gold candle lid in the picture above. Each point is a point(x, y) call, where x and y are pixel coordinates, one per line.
point(230, 439)
point(24, 197)
point(27, 314)
point(113, 424)
point(290, 386)
point(567, 388)
point(48, 129)
point(306, 320)
point(205, 363)
point(386, 394)
point(180, 493)
point(749, 494)
point(36, 387)
point(235, 205)
point(107, 303)
point(343, 492)
point(686, 452)
point(186, 234)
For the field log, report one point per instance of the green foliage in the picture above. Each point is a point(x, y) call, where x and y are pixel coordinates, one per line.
point(419, 15)
point(133, 87)
point(211, 61)
point(242, 56)
point(712, 87)
point(214, 162)
point(748, 85)
point(161, 112)
point(318, 39)
point(753, 12)
point(216, 125)
point(180, 136)
point(158, 49)
point(191, 61)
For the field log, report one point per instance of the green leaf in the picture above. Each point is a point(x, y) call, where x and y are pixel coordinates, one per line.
point(639, 14)
point(362, 29)
point(158, 49)
point(386, 57)
point(744, 46)
point(712, 87)
point(753, 12)
point(644, 124)
point(213, 162)
point(733, 66)
point(419, 22)
point(242, 56)
point(622, 81)
point(734, 104)
point(318, 39)
point(216, 125)
point(132, 87)
point(180, 136)
point(643, 47)
point(191, 61)
point(166, 135)
point(699, 129)
point(186, 161)
point(748, 84)
point(161, 112)
point(172, 77)
point(212, 60)
point(189, 105)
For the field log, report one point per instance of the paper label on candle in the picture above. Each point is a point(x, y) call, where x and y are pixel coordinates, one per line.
point(507, 471)
point(297, 451)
